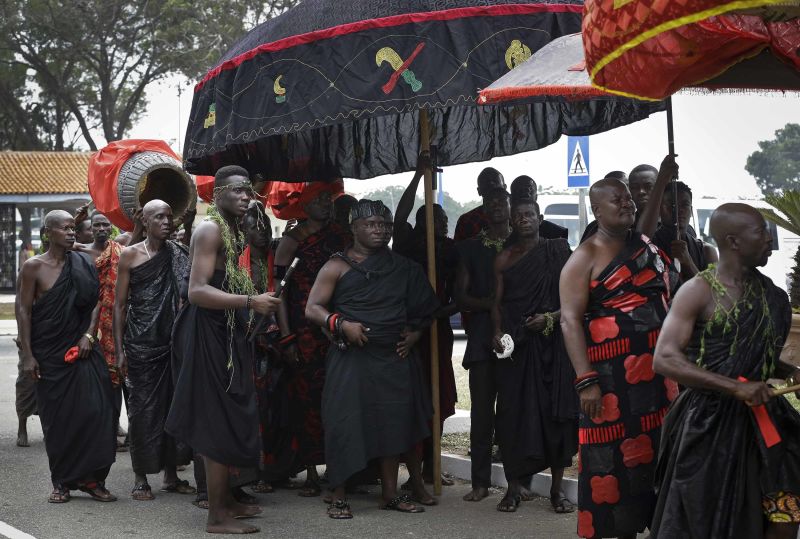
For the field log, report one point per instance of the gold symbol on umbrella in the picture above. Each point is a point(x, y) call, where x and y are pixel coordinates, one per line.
point(517, 53)
point(280, 91)
point(211, 119)
point(401, 67)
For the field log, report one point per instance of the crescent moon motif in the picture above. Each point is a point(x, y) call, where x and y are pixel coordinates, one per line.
point(279, 90)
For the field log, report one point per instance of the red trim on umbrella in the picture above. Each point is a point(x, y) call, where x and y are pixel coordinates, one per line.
point(519, 92)
point(386, 22)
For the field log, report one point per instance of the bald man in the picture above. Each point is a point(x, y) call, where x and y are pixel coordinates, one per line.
point(718, 474)
point(145, 306)
point(55, 306)
point(614, 291)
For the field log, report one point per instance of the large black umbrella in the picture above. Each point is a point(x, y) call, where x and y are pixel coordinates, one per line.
point(334, 89)
point(358, 89)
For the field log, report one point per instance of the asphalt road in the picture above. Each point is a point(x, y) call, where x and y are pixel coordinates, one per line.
point(25, 485)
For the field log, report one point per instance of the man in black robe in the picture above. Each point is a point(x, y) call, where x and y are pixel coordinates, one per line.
point(729, 461)
point(475, 296)
point(693, 254)
point(524, 187)
point(536, 404)
point(56, 303)
point(475, 220)
point(145, 304)
point(376, 305)
point(214, 409)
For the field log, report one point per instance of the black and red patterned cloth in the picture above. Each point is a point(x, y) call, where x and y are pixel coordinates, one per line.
point(306, 379)
point(627, 305)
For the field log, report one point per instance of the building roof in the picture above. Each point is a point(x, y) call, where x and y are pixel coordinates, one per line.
point(43, 172)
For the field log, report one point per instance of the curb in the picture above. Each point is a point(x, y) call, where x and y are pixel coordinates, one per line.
point(461, 467)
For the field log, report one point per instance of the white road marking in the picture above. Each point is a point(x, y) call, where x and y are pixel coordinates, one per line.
point(6, 530)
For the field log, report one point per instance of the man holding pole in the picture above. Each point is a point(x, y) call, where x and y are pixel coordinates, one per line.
point(729, 463)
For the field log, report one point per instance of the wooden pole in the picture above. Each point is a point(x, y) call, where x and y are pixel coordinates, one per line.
point(785, 390)
point(671, 147)
point(425, 146)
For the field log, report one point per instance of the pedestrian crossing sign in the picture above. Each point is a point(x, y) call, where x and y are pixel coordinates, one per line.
point(578, 162)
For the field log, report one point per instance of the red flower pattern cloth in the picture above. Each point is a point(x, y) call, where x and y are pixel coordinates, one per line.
point(627, 306)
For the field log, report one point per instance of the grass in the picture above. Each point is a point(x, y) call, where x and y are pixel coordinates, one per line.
point(462, 384)
point(6, 311)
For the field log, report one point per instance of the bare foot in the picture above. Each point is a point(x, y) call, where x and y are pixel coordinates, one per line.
point(476, 494)
point(525, 494)
point(239, 510)
point(422, 497)
point(230, 526)
point(22, 439)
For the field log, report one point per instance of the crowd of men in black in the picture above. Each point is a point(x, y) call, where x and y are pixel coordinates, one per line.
point(261, 358)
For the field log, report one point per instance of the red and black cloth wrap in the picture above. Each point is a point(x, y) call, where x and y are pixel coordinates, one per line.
point(627, 305)
point(306, 379)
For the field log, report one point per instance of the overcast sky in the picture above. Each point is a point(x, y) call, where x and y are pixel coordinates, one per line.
point(714, 134)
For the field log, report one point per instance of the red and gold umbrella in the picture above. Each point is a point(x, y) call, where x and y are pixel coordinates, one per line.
point(649, 49)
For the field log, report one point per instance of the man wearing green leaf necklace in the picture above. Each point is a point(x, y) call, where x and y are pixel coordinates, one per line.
point(214, 409)
point(729, 462)
point(474, 294)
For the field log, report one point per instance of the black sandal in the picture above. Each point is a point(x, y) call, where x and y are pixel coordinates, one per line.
point(394, 505)
point(98, 491)
point(310, 489)
point(340, 510)
point(561, 504)
point(243, 497)
point(59, 495)
point(142, 492)
point(181, 486)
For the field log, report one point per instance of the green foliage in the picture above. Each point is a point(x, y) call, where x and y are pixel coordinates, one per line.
point(454, 209)
point(93, 59)
point(788, 204)
point(776, 166)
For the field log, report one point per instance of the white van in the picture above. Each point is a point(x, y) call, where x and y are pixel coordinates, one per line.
point(563, 210)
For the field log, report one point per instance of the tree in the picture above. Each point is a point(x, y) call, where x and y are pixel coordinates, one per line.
point(776, 166)
point(391, 196)
point(788, 203)
point(95, 58)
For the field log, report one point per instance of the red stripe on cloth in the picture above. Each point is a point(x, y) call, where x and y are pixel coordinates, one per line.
point(389, 86)
point(654, 420)
point(609, 350)
point(652, 338)
point(601, 435)
point(386, 22)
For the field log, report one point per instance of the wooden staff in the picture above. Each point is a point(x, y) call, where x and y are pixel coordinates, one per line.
point(785, 390)
point(425, 147)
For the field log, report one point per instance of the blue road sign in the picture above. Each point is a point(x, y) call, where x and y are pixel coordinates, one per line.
point(577, 161)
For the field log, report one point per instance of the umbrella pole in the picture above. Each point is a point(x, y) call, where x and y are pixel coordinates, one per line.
point(671, 144)
point(425, 146)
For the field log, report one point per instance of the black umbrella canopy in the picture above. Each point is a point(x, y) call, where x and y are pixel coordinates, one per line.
point(334, 89)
